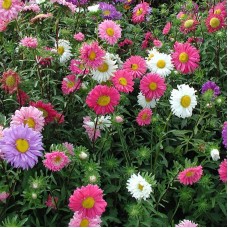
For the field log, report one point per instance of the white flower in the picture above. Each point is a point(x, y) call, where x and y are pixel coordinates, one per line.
point(115, 57)
point(40, 1)
point(183, 100)
point(138, 187)
point(215, 154)
point(103, 122)
point(83, 155)
point(92, 179)
point(160, 64)
point(104, 72)
point(64, 50)
point(93, 8)
point(146, 102)
point(151, 53)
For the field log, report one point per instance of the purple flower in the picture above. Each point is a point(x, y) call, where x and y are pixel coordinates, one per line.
point(78, 2)
point(109, 11)
point(209, 85)
point(21, 146)
point(224, 134)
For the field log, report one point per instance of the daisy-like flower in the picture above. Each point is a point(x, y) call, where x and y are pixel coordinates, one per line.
point(21, 146)
point(48, 110)
point(9, 9)
point(63, 49)
point(77, 67)
point(224, 134)
point(136, 65)
point(144, 117)
point(186, 223)
point(79, 36)
point(88, 200)
point(214, 22)
point(185, 58)
point(123, 81)
point(152, 86)
point(105, 71)
point(30, 116)
point(138, 187)
point(103, 122)
point(188, 25)
point(209, 85)
point(167, 28)
point(79, 221)
point(56, 160)
point(190, 175)
point(92, 54)
point(223, 171)
point(70, 84)
point(151, 53)
point(109, 11)
point(161, 64)
point(29, 42)
point(140, 12)
point(183, 101)
point(10, 81)
point(109, 31)
point(103, 99)
point(146, 102)
point(89, 126)
point(219, 9)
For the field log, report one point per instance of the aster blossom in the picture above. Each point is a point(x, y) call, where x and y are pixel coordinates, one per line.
point(70, 84)
point(167, 28)
point(29, 42)
point(214, 22)
point(63, 49)
point(186, 223)
point(89, 126)
point(188, 25)
point(146, 102)
point(209, 85)
point(219, 9)
point(77, 67)
point(144, 117)
point(140, 12)
point(109, 11)
point(223, 171)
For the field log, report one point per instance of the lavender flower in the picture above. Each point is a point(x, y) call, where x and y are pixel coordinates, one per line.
point(209, 85)
point(109, 11)
point(224, 134)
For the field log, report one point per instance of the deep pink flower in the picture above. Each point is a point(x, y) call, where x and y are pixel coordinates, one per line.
point(215, 22)
point(190, 175)
point(219, 9)
point(167, 28)
point(157, 43)
point(144, 117)
point(188, 25)
point(70, 84)
point(77, 67)
point(140, 12)
point(223, 171)
point(3, 25)
point(51, 201)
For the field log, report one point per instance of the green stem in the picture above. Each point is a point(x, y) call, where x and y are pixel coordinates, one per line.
point(178, 204)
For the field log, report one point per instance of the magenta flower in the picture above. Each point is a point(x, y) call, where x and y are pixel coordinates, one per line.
point(190, 175)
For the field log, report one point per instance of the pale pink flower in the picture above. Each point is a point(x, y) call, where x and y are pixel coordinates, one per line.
point(186, 223)
point(4, 196)
point(29, 42)
point(79, 36)
point(157, 43)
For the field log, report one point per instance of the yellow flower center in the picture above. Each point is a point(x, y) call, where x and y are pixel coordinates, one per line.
point(22, 145)
point(183, 57)
point(189, 174)
point(185, 101)
point(214, 22)
point(139, 12)
point(92, 55)
point(88, 202)
point(106, 12)
point(45, 113)
point(84, 223)
point(153, 86)
point(57, 159)
point(144, 116)
point(30, 122)
point(103, 68)
point(103, 100)
point(10, 81)
point(140, 187)
point(70, 84)
point(148, 99)
point(134, 66)
point(110, 31)
point(161, 63)
point(218, 11)
point(188, 23)
point(6, 4)
point(123, 81)
point(81, 66)
point(60, 50)
point(182, 16)
point(150, 56)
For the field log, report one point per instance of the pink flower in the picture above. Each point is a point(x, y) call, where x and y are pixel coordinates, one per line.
point(109, 31)
point(223, 171)
point(30, 116)
point(77, 67)
point(119, 119)
point(157, 43)
point(181, 15)
point(90, 128)
point(123, 81)
point(59, 118)
point(79, 221)
point(219, 9)
point(92, 54)
point(190, 175)
point(70, 84)
point(31, 7)
point(29, 42)
point(4, 196)
point(136, 65)
point(140, 12)
point(214, 22)
point(69, 147)
point(51, 202)
point(44, 62)
point(102, 99)
point(188, 25)
point(22, 97)
point(186, 223)
point(79, 36)
point(70, 5)
point(56, 160)
point(3, 25)
point(144, 117)
point(167, 28)
point(152, 86)
point(88, 200)
point(185, 58)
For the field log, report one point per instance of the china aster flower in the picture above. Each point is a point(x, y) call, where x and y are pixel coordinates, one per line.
point(157, 43)
point(21, 146)
point(167, 28)
point(109, 31)
point(181, 15)
point(79, 36)
point(22, 97)
point(223, 171)
point(30, 116)
point(219, 9)
point(69, 5)
point(151, 53)
point(77, 67)
point(80, 221)
point(70, 84)
point(69, 148)
point(214, 22)
point(10, 81)
point(224, 134)
point(209, 85)
point(183, 101)
point(152, 86)
point(185, 58)
point(140, 12)
point(31, 7)
point(188, 25)
point(102, 99)
point(89, 126)
point(136, 65)
point(186, 223)
point(9, 9)
point(4, 196)
point(51, 202)
point(48, 110)
point(56, 160)
point(3, 25)
point(63, 49)
point(123, 81)
point(145, 102)
point(29, 42)
point(125, 43)
point(144, 117)
point(92, 54)
point(88, 200)
point(109, 11)
point(190, 175)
